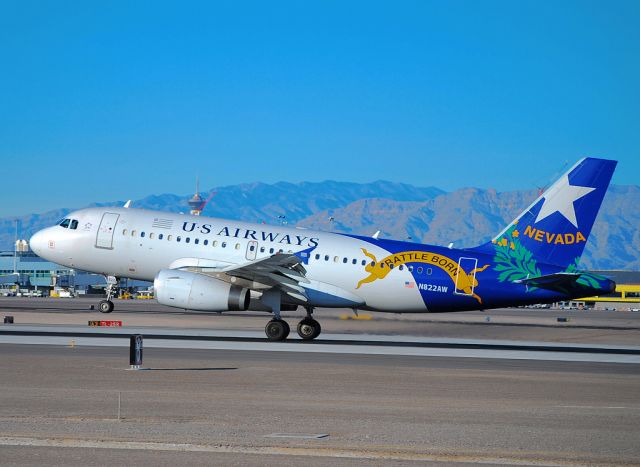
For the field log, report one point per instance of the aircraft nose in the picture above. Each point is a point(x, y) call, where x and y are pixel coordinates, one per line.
point(38, 242)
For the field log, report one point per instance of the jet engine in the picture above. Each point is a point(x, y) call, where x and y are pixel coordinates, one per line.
point(183, 289)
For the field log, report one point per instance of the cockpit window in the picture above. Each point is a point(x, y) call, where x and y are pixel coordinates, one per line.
point(65, 223)
point(74, 224)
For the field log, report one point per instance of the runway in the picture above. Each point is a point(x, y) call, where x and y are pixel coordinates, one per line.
point(227, 405)
point(532, 325)
point(330, 343)
point(214, 391)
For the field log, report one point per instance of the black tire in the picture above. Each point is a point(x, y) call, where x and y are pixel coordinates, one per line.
point(318, 329)
point(308, 329)
point(105, 306)
point(277, 330)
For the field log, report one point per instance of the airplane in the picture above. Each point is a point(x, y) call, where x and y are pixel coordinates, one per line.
point(216, 265)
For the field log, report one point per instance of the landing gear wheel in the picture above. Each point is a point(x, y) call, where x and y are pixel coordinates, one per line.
point(309, 329)
point(277, 330)
point(105, 306)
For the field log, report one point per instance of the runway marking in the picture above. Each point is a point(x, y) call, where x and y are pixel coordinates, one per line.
point(283, 451)
point(596, 407)
point(298, 435)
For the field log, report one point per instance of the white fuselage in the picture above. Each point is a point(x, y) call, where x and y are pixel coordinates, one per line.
point(137, 244)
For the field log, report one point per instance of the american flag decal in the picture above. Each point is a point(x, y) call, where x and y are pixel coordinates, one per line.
point(162, 223)
point(409, 285)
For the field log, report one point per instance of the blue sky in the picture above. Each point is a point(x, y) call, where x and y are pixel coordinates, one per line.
point(115, 100)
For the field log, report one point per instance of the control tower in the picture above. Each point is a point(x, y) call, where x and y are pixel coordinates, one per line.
point(196, 203)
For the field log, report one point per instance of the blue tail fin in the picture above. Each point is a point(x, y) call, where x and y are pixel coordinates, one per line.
point(555, 227)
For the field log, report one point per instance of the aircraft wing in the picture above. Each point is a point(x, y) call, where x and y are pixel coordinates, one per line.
point(281, 270)
point(555, 281)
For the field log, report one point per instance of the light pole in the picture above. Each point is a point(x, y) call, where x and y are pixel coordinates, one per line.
point(15, 251)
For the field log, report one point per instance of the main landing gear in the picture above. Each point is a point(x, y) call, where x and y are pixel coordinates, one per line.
point(106, 306)
point(277, 330)
point(308, 328)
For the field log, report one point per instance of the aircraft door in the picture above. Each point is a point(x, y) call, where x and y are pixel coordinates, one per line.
point(104, 238)
point(252, 250)
point(466, 276)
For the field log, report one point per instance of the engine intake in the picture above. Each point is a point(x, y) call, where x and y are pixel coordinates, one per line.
point(191, 291)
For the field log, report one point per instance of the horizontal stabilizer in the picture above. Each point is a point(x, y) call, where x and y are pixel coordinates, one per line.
point(556, 281)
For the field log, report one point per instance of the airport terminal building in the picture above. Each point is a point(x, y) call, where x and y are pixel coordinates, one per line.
point(23, 272)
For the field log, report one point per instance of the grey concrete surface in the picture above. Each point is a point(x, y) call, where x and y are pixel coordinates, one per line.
point(72, 456)
point(603, 327)
point(184, 338)
point(376, 409)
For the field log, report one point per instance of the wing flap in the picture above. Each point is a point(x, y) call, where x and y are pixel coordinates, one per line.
point(284, 271)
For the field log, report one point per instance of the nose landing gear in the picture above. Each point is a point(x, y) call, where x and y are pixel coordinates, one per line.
point(106, 306)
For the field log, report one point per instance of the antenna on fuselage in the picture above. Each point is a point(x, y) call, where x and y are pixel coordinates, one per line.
point(127, 204)
point(376, 235)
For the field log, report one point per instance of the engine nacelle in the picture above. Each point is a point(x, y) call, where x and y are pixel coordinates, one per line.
point(183, 289)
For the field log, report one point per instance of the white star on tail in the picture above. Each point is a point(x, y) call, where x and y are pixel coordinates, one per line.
point(560, 198)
